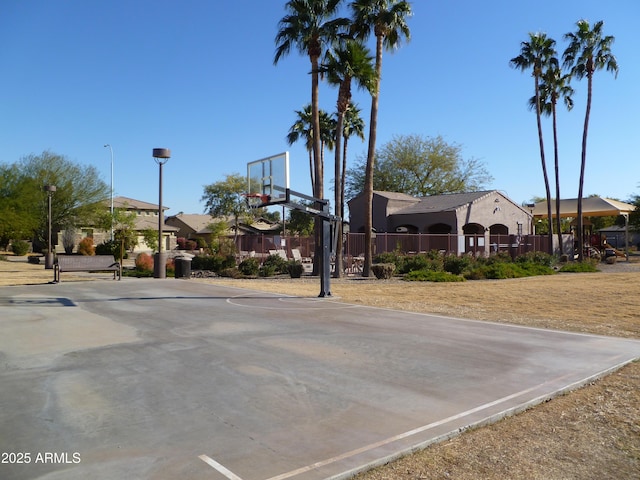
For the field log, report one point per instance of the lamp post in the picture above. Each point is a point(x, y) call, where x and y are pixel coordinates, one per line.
point(111, 148)
point(48, 259)
point(161, 156)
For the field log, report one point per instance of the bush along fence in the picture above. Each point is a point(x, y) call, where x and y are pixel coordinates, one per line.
point(261, 246)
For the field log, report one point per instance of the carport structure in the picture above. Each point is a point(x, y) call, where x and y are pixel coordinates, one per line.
point(591, 207)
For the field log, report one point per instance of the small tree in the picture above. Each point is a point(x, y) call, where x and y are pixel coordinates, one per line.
point(224, 199)
point(123, 222)
point(150, 237)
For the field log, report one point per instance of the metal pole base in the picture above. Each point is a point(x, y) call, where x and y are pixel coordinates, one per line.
point(48, 260)
point(160, 265)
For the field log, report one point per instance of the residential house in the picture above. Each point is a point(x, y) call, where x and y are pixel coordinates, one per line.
point(146, 219)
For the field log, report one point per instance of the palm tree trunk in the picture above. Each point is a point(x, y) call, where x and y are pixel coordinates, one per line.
point(544, 168)
point(557, 174)
point(368, 177)
point(318, 186)
point(312, 175)
point(337, 273)
point(583, 163)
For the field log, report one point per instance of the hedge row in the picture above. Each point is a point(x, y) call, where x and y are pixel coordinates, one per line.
point(437, 267)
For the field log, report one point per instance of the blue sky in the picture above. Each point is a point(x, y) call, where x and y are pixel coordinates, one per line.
point(197, 76)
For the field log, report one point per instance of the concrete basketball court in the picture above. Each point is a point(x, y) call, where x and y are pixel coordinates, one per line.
point(167, 379)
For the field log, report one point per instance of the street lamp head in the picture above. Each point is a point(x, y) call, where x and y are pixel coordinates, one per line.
point(106, 145)
point(49, 188)
point(164, 153)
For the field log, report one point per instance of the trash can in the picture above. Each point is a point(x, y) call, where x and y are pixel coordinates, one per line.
point(183, 266)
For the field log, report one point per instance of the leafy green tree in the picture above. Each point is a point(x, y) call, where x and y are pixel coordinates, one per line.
point(125, 237)
point(150, 237)
point(588, 51)
point(387, 20)
point(536, 55)
point(225, 198)
point(78, 199)
point(420, 166)
point(554, 86)
point(299, 222)
point(19, 205)
point(349, 61)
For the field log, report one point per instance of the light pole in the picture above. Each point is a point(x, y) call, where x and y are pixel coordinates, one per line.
point(111, 148)
point(48, 259)
point(161, 156)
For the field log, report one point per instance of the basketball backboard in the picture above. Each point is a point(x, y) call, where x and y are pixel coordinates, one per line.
point(268, 180)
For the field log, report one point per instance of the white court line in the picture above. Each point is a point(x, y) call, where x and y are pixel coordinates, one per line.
point(401, 436)
point(220, 468)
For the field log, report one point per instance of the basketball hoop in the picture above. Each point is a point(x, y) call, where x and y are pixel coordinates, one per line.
point(256, 200)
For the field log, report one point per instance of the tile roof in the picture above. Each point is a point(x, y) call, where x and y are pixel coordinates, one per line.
point(443, 203)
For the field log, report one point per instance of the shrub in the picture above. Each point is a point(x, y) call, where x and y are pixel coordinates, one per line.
point(171, 267)
point(501, 270)
point(69, 239)
point(295, 269)
point(456, 265)
point(267, 270)
point(111, 247)
point(249, 267)
point(232, 272)
point(85, 247)
point(185, 244)
point(429, 261)
point(34, 259)
point(539, 258)
point(383, 271)
point(391, 257)
point(20, 247)
point(586, 266)
point(275, 262)
point(500, 257)
point(4, 258)
point(214, 263)
point(144, 262)
point(431, 276)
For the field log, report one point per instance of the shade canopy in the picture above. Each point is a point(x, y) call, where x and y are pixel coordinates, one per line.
point(591, 207)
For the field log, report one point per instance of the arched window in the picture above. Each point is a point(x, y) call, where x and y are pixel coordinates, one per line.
point(473, 229)
point(498, 229)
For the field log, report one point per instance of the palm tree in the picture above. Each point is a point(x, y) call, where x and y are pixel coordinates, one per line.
point(537, 54)
point(308, 27)
point(353, 125)
point(349, 61)
point(303, 129)
point(327, 136)
point(554, 86)
point(587, 52)
point(387, 19)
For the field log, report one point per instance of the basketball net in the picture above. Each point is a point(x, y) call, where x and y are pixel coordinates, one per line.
point(256, 200)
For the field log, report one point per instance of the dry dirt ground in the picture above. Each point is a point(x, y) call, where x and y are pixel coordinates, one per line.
point(591, 433)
